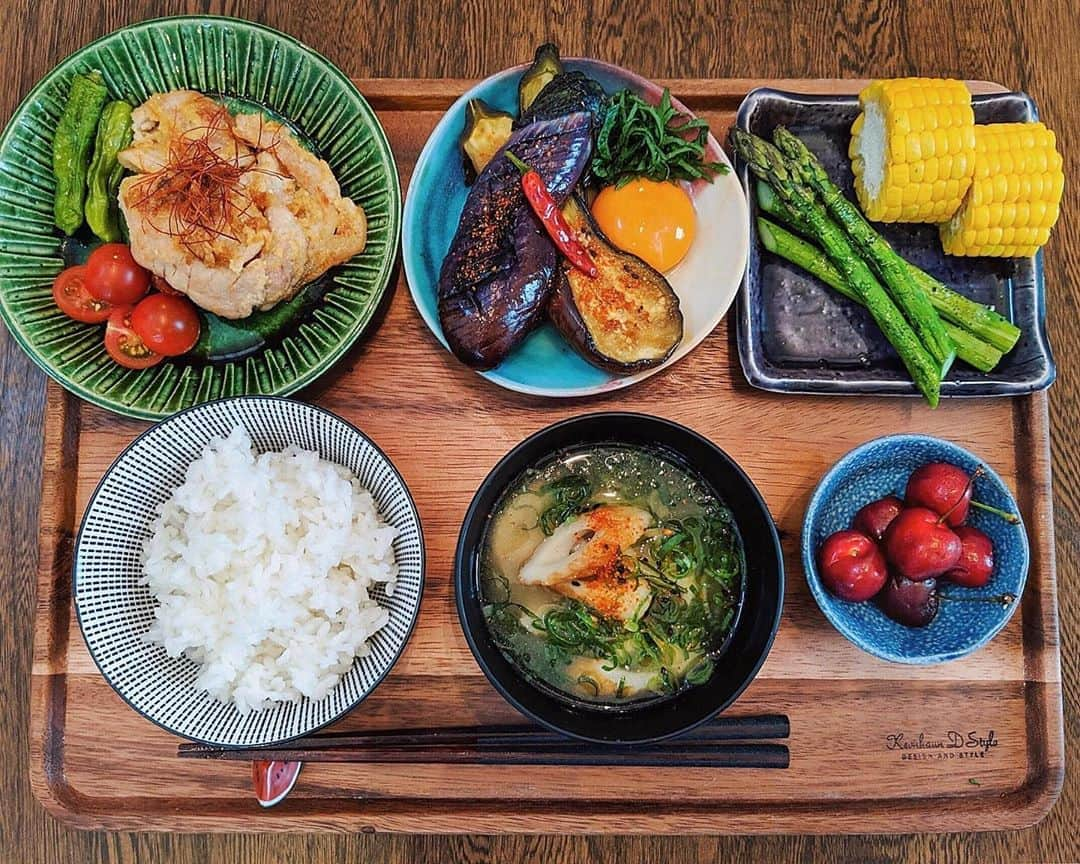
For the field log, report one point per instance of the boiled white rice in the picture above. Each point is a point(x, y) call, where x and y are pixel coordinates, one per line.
point(262, 567)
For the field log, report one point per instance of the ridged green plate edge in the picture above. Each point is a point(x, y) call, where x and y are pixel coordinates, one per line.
point(215, 55)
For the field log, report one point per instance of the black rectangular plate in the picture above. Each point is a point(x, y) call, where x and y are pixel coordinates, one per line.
point(797, 335)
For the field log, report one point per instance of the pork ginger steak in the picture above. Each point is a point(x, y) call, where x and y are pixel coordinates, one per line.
point(500, 272)
point(232, 211)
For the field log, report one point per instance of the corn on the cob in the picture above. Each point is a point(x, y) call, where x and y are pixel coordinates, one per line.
point(913, 149)
point(1015, 196)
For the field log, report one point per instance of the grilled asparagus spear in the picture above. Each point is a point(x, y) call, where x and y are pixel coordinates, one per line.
point(905, 291)
point(769, 164)
point(981, 321)
point(782, 242)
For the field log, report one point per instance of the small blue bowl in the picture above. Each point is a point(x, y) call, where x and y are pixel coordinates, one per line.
point(881, 467)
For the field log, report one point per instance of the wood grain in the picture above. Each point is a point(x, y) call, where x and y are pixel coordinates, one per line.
point(841, 778)
point(1024, 46)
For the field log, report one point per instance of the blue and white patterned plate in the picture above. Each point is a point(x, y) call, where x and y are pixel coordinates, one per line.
point(115, 610)
point(881, 467)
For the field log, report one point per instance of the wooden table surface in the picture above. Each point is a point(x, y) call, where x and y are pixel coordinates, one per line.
point(1029, 46)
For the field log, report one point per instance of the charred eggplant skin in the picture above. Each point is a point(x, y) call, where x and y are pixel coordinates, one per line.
point(500, 271)
point(545, 66)
point(564, 94)
point(644, 323)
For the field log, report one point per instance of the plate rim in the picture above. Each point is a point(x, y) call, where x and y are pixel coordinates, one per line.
point(414, 616)
point(747, 336)
point(615, 382)
point(382, 279)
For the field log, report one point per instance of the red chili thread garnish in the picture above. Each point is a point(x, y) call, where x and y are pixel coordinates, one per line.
point(199, 187)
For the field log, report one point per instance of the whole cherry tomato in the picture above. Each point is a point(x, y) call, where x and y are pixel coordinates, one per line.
point(167, 324)
point(113, 275)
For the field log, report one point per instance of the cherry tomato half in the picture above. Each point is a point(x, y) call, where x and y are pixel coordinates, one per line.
point(124, 346)
point(69, 292)
point(158, 283)
point(167, 324)
point(114, 276)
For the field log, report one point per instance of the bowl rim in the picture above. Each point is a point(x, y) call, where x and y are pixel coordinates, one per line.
point(813, 579)
point(415, 614)
point(463, 570)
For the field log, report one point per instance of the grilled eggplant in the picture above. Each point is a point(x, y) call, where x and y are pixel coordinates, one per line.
point(500, 272)
point(564, 94)
point(545, 66)
point(624, 320)
point(486, 130)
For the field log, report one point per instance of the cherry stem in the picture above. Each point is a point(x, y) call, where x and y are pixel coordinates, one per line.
point(967, 489)
point(1011, 518)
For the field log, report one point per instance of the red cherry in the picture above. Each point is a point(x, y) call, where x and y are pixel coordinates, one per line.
point(919, 545)
point(940, 487)
point(852, 566)
point(913, 604)
point(976, 564)
point(874, 518)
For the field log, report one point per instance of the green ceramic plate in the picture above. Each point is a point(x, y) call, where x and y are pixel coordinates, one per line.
point(276, 352)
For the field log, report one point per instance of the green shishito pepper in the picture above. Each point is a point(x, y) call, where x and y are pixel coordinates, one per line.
point(71, 148)
point(103, 177)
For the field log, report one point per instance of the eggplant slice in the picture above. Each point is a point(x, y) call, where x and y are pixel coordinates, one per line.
point(486, 130)
point(566, 93)
point(627, 318)
point(501, 269)
point(545, 66)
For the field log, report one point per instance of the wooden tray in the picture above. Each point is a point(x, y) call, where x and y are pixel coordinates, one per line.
point(974, 744)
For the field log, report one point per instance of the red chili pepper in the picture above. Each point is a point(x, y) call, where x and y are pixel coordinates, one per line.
point(550, 216)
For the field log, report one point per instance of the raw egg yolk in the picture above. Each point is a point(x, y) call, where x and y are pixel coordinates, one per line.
point(650, 219)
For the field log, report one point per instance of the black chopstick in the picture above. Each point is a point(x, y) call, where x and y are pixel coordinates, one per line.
point(757, 727)
point(718, 756)
point(528, 745)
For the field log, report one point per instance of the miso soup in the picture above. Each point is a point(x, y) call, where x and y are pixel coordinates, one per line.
point(612, 574)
